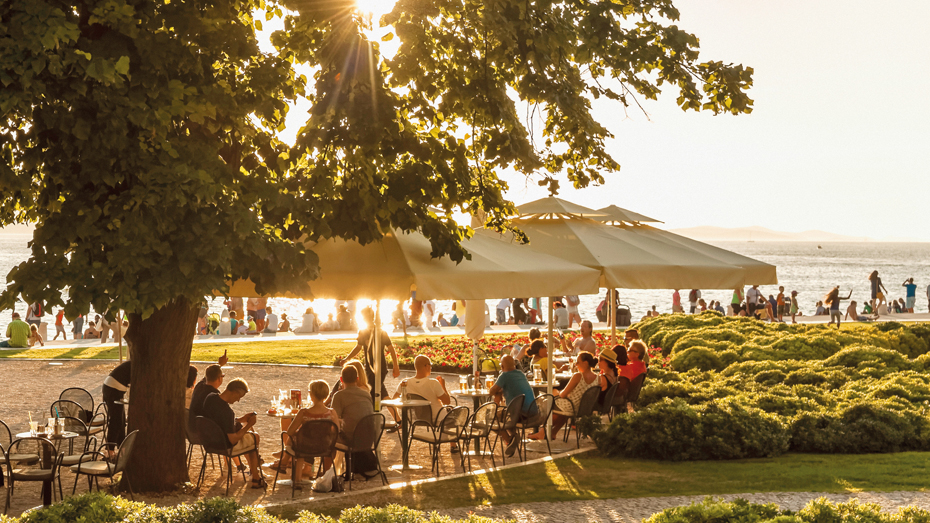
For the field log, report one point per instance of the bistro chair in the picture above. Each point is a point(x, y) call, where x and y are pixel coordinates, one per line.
point(94, 470)
point(82, 398)
point(543, 411)
point(448, 430)
point(636, 386)
point(72, 409)
point(617, 404)
point(479, 427)
point(314, 438)
point(214, 441)
point(508, 421)
point(585, 407)
point(32, 459)
point(365, 438)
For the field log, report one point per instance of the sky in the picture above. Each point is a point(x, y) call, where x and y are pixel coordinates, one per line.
point(839, 139)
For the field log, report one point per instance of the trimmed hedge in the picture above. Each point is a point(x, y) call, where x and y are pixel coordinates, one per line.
point(740, 388)
point(97, 507)
point(817, 511)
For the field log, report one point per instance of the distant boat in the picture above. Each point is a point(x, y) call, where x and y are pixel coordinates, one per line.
point(819, 247)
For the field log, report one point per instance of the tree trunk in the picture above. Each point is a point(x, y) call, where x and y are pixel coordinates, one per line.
point(161, 353)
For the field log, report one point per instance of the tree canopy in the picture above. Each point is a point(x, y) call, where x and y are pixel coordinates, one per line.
point(143, 137)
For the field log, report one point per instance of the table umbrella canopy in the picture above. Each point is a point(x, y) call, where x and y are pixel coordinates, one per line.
point(389, 268)
point(556, 206)
point(613, 213)
point(636, 257)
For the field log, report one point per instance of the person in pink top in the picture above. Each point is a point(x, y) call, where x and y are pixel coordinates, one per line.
point(638, 358)
point(676, 302)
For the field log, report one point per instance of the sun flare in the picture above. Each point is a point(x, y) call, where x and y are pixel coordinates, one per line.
point(375, 8)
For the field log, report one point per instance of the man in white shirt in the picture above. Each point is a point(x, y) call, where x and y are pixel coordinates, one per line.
point(560, 315)
point(271, 321)
point(752, 300)
point(584, 343)
point(432, 390)
point(502, 307)
point(429, 309)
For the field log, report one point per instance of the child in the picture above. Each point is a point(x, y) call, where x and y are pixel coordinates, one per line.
point(780, 304)
point(34, 336)
point(60, 325)
point(319, 391)
point(794, 305)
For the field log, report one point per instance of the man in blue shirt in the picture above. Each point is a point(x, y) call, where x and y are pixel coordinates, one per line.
point(911, 297)
point(511, 384)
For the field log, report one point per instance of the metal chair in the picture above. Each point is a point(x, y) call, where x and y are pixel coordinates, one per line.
point(585, 407)
point(543, 411)
point(35, 459)
point(193, 439)
point(96, 469)
point(366, 437)
point(618, 403)
point(314, 438)
point(447, 430)
point(508, 421)
point(6, 437)
point(479, 427)
point(636, 386)
point(214, 441)
point(71, 409)
point(82, 398)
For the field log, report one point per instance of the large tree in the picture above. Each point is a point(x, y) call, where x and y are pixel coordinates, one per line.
point(142, 139)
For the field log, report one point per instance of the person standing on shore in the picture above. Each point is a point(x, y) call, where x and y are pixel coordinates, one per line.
point(737, 301)
point(832, 300)
point(878, 291)
point(794, 306)
point(60, 325)
point(754, 298)
point(693, 298)
point(676, 302)
point(572, 306)
point(77, 327)
point(911, 294)
point(780, 308)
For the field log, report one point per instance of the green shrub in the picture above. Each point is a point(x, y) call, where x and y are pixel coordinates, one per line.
point(98, 507)
point(714, 510)
point(732, 431)
point(669, 430)
point(700, 358)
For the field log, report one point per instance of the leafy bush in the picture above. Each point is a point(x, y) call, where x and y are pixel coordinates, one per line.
point(816, 511)
point(97, 507)
point(773, 388)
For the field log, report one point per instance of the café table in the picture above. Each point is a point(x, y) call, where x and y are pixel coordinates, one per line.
point(476, 396)
point(57, 438)
point(404, 406)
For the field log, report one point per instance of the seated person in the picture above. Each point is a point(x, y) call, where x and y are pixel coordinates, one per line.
point(217, 408)
point(509, 385)
point(351, 404)
point(442, 322)
point(189, 390)
point(821, 310)
point(343, 319)
point(431, 389)
point(310, 322)
point(319, 391)
point(330, 324)
point(637, 360)
point(607, 365)
point(233, 323)
point(570, 396)
point(851, 312)
point(285, 325)
point(34, 336)
point(253, 326)
point(18, 333)
point(271, 321)
point(540, 354)
point(91, 332)
point(583, 344)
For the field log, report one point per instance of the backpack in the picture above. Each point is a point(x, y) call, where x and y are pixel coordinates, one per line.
point(692, 296)
point(37, 309)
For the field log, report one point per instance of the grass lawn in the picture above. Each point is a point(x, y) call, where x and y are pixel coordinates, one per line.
point(299, 352)
point(589, 476)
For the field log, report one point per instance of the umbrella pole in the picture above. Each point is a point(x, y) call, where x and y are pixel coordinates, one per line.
point(474, 358)
point(377, 354)
point(613, 317)
point(550, 377)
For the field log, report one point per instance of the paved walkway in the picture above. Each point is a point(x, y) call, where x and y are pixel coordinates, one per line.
point(636, 509)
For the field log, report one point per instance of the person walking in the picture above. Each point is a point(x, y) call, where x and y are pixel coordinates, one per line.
point(60, 325)
point(737, 301)
point(878, 291)
point(754, 300)
point(832, 300)
point(693, 298)
point(572, 303)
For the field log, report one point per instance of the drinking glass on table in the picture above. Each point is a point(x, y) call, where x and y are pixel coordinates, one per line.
point(33, 428)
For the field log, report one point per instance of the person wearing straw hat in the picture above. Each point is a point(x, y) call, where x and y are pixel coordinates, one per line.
point(607, 363)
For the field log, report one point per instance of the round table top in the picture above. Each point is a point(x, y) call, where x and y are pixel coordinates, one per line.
point(281, 414)
point(470, 393)
point(64, 435)
point(405, 404)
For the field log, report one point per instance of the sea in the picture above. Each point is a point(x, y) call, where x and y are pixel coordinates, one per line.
point(812, 269)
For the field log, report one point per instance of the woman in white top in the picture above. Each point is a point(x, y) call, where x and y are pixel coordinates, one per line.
point(566, 400)
point(309, 323)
